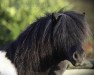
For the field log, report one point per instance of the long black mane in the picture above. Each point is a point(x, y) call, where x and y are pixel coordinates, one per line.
point(48, 41)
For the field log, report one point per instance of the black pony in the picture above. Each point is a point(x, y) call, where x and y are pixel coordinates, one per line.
point(48, 41)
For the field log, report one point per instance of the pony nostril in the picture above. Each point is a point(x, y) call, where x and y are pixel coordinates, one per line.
point(75, 56)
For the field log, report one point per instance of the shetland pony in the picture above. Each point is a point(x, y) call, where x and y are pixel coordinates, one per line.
point(50, 40)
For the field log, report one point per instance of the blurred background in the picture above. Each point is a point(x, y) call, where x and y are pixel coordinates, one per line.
point(16, 15)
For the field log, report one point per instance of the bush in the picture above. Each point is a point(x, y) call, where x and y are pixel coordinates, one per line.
point(16, 15)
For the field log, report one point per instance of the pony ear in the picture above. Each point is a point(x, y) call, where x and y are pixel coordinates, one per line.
point(56, 17)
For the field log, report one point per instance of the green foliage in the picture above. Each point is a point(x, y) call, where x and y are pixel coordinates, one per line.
point(16, 15)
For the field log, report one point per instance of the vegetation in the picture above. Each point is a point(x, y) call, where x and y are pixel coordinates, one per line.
point(16, 15)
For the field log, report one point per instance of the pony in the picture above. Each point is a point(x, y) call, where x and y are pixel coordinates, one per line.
point(50, 40)
point(5, 62)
